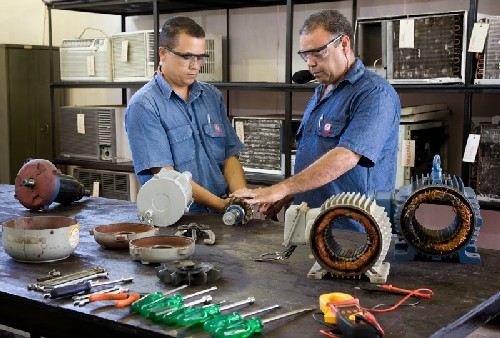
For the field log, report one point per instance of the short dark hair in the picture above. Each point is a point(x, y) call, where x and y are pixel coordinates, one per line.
point(330, 20)
point(177, 25)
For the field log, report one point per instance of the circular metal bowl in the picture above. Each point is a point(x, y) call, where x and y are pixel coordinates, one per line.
point(40, 238)
point(159, 249)
point(118, 235)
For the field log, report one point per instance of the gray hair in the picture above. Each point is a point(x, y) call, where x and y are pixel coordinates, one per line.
point(330, 20)
point(177, 25)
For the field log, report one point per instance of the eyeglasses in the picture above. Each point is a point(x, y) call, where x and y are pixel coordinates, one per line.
point(318, 53)
point(189, 57)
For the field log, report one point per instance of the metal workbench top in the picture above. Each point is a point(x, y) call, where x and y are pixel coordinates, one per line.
point(458, 288)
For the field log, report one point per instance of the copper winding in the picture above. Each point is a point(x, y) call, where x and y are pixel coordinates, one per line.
point(332, 256)
point(443, 241)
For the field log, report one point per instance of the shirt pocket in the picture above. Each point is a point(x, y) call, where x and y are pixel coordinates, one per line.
point(216, 141)
point(330, 130)
point(182, 145)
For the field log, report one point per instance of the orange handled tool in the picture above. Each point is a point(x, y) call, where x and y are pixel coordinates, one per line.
point(122, 299)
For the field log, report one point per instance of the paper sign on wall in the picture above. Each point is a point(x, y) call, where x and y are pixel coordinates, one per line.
point(478, 37)
point(407, 33)
point(80, 123)
point(408, 153)
point(90, 65)
point(124, 53)
point(471, 148)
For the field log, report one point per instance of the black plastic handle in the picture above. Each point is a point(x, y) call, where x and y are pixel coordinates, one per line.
point(70, 290)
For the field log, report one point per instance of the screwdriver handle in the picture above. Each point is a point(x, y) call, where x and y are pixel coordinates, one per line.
point(108, 296)
point(70, 290)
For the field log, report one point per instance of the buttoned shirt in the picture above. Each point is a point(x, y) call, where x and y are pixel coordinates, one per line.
point(360, 113)
point(195, 136)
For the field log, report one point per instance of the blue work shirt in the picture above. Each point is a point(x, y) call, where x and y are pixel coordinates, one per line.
point(361, 114)
point(195, 136)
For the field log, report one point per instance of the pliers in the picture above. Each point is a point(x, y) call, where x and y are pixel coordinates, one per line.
point(122, 299)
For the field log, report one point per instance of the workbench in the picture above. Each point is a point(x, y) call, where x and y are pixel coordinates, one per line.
point(458, 288)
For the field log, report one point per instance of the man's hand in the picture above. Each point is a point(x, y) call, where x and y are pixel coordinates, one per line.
point(271, 210)
point(262, 195)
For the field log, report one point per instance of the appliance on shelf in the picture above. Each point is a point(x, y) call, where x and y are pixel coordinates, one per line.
point(486, 181)
point(93, 133)
point(212, 69)
point(112, 184)
point(437, 56)
point(488, 62)
point(133, 56)
point(263, 137)
point(86, 60)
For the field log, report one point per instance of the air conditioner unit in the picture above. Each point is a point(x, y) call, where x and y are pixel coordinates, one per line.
point(430, 139)
point(94, 133)
point(438, 55)
point(488, 62)
point(133, 56)
point(212, 69)
point(86, 60)
point(112, 184)
point(263, 138)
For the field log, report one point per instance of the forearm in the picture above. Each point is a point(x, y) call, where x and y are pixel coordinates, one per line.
point(234, 174)
point(327, 168)
point(204, 197)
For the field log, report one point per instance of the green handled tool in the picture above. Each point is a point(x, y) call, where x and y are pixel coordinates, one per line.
point(171, 317)
point(247, 327)
point(158, 315)
point(167, 302)
point(197, 315)
point(134, 307)
point(222, 321)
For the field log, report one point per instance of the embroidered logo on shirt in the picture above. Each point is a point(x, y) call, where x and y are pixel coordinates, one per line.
point(327, 130)
point(218, 129)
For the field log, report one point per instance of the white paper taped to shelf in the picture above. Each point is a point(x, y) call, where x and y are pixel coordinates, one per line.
point(124, 52)
point(408, 153)
point(90, 65)
point(471, 148)
point(240, 130)
point(407, 33)
point(80, 123)
point(478, 37)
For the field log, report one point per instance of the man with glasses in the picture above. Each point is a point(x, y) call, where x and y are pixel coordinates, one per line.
point(176, 122)
point(348, 138)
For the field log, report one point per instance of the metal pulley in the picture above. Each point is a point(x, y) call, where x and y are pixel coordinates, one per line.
point(165, 197)
point(39, 183)
point(317, 227)
point(455, 241)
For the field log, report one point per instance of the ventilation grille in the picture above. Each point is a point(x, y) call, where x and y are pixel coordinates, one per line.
point(85, 60)
point(492, 57)
point(209, 66)
point(137, 62)
point(212, 69)
point(111, 184)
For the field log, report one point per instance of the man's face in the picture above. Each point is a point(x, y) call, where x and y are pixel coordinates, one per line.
point(181, 64)
point(325, 54)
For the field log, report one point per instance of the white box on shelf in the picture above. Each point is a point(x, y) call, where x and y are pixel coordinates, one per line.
point(212, 69)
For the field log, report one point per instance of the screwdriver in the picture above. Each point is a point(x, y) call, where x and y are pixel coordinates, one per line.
point(222, 321)
point(196, 315)
point(169, 302)
point(247, 327)
point(83, 287)
point(159, 315)
point(170, 318)
point(152, 297)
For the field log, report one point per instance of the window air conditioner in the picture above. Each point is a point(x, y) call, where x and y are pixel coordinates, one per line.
point(86, 60)
point(95, 133)
point(438, 54)
point(133, 56)
point(112, 184)
point(212, 69)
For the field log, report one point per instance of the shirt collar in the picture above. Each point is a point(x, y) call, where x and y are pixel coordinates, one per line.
point(195, 89)
point(353, 75)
